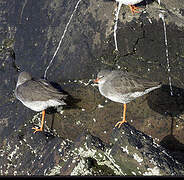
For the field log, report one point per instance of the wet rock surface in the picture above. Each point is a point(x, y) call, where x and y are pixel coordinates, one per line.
point(80, 139)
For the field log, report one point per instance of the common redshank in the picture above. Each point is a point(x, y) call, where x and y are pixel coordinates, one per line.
point(131, 4)
point(123, 87)
point(38, 95)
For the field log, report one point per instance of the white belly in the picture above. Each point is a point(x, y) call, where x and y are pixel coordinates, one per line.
point(41, 105)
point(124, 98)
point(129, 2)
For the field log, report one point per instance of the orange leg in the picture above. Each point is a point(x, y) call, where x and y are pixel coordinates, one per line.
point(133, 9)
point(42, 122)
point(119, 123)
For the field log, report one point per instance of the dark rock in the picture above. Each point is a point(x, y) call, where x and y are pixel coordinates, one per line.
point(80, 139)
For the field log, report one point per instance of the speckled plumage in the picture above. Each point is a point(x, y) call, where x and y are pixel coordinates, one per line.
point(37, 94)
point(122, 86)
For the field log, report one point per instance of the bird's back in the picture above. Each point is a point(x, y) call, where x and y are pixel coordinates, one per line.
point(123, 86)
point(39, 90)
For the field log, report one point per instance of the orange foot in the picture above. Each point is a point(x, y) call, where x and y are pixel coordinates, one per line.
point(36, 129)
point(133, 9)
point(119, 123)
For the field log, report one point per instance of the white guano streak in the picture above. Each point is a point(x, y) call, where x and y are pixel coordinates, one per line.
point(62, 37)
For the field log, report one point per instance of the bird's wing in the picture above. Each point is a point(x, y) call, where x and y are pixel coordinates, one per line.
point(124, 83)
point(40, 91)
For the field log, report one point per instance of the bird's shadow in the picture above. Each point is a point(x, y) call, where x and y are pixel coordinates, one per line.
point(171, 143)
point(71, 103)
point(145, 2)
point(167, 100)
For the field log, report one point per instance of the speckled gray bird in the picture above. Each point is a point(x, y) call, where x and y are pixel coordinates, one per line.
point(38, 95)
point(123, 87)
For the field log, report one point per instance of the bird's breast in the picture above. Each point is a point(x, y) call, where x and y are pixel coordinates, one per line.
point(129, 2)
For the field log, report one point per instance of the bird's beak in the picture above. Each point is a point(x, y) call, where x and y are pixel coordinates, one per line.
point(96, 80)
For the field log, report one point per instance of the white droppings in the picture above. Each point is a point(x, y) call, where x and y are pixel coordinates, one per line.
point(100, 155)
point(152, 171)
point(161, 15)
point(13, 153)
point(104, 159)
point(61, 39)
point(81, 169)
point(137, 158)
point(94, 84)
point(156, 139)
point(150, 20)
point(94, 119)
point(85, 83)
point(1, 153)
point(80, 81)
point(54, 171)
point(83, 109)
point(153, 162)
point(61, 112)
point(125, 149)
point(100, 106)
point(111, 163)
point(78, 122)
point(115, 25)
